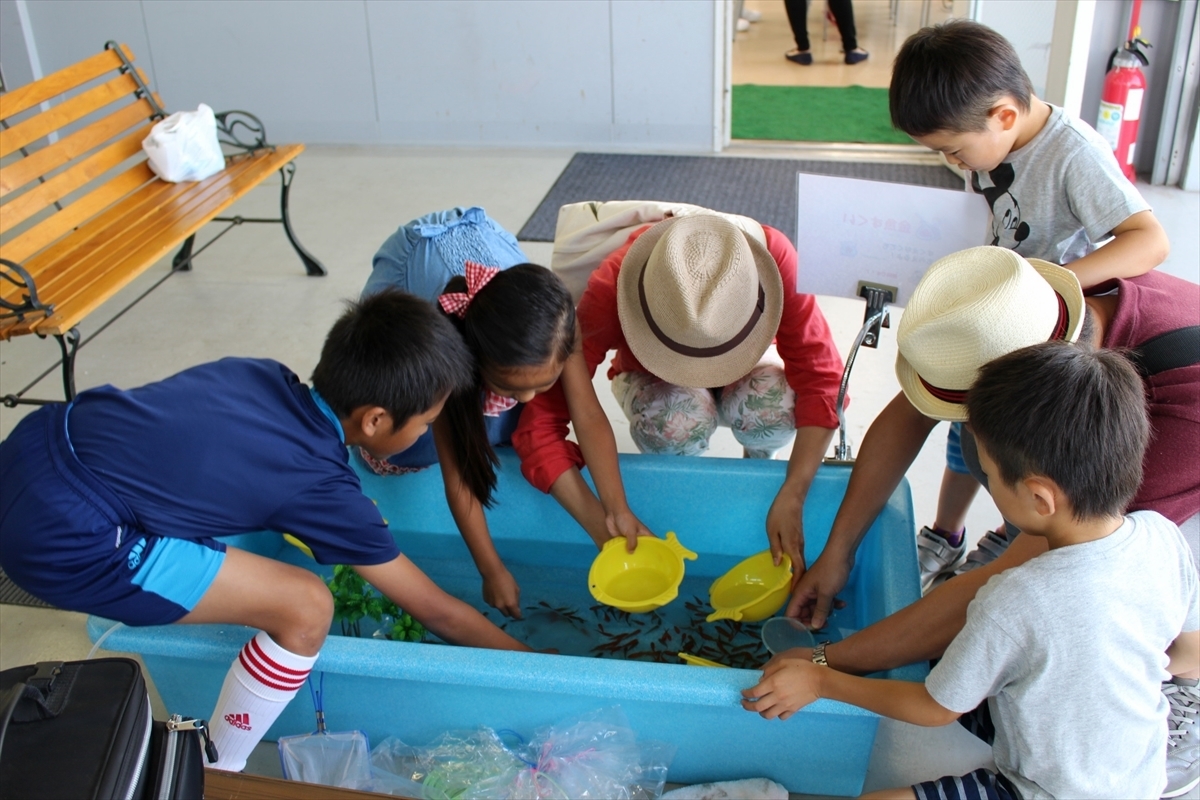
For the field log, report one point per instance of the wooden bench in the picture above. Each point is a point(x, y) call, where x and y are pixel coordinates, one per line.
point(82, 214)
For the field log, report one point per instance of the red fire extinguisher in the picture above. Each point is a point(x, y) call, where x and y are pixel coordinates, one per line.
point(1121, 99)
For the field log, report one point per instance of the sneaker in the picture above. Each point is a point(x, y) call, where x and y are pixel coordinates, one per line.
point(750, 15)
point(1183, 736)
point(798, 57)
point(857, 56)
point(937, 557)
point(990, 547)
point(743, 24)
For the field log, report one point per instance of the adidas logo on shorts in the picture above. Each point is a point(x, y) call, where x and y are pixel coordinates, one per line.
point(239, 721)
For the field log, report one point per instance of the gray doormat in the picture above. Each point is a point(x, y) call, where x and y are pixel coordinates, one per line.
point(13, 595)
point(761, 188)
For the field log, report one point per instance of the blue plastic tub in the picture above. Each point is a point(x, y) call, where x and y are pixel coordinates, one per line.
point(416, 691)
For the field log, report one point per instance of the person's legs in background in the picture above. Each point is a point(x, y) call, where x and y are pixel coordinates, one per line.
point(665, 418)
point(760, 409)
point(797, 14)
point(843, 12)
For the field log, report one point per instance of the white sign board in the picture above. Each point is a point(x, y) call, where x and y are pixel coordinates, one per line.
point(851, 230)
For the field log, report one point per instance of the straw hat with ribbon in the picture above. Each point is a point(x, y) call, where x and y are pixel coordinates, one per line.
point(971, 307)
point(699, 300)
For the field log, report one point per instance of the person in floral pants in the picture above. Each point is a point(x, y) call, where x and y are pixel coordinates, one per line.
point(691, 306)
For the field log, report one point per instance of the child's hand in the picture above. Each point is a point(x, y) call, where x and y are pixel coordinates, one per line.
point(624, 523)
point(789, 683)
point(501, 592)
point(785, 531)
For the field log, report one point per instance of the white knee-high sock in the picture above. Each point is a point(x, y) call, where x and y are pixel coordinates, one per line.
point(260, 683)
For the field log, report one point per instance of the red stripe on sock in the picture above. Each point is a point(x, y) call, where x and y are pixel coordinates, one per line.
point(265, 669)
point(265, 679)
point(274, 665)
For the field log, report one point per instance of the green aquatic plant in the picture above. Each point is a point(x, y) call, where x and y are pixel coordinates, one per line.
point(354, 599)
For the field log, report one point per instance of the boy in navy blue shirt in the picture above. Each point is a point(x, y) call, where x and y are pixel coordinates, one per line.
point(111, 502)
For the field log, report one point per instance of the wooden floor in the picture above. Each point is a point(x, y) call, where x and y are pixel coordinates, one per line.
point(758, 52)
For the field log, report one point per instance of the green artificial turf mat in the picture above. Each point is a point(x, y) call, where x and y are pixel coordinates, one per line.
point(814, 114)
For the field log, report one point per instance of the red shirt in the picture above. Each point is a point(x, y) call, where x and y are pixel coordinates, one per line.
point(810, 362)
point(1148, 305)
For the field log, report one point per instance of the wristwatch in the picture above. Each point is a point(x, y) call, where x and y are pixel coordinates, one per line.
point(818, 654)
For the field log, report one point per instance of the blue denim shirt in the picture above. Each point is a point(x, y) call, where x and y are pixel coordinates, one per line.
point(422, 256)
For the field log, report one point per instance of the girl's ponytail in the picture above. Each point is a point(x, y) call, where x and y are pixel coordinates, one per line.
point(521, 317)
point(463, 411)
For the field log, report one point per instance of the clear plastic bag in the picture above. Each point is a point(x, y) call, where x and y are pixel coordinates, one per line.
point(595, 756)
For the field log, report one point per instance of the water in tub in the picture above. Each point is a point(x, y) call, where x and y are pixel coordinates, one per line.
point(559, 614)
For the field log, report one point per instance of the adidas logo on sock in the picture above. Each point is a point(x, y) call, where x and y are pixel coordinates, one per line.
point(239, 721)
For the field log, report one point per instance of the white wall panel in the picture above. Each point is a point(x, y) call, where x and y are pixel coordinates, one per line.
point(481, 71)
point(302, 67)
point(662, 72)
point(67, 31)
point(570, 73)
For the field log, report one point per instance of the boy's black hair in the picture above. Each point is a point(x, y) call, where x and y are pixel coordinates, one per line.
point(947, 77)
point(392, 350)
point(523, 317)
point(1067, 412)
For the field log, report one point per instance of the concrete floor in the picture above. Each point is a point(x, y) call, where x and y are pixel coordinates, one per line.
point(248, 296)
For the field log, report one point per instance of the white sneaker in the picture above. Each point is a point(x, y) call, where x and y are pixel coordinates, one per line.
point(1183, 736)
point(743, 24)
point(938, 558)
point(989, 548)
point(750, 15)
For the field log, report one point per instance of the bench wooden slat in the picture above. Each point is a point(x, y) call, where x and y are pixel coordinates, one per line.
point(56, 83)
point(65, 113)
point(92, 277)
point(49, 266)
point(50, 229)
point(53, 268)
point(23, 207)
point(47, 159)
point(142, 246)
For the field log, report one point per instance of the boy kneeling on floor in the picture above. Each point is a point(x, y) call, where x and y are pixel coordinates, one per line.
point(1069, 649)
point(111, 503)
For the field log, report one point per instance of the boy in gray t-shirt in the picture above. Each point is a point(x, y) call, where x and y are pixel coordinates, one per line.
point(1068, 649)
point(1055, 192)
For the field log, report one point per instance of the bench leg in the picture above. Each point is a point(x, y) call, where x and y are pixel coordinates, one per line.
point(183, 259)
point(313, 266)
point(69, 344)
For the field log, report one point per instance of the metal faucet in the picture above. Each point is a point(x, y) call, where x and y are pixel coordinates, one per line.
point(875, 317)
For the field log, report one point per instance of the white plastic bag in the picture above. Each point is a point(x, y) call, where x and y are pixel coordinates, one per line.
point(184, 146)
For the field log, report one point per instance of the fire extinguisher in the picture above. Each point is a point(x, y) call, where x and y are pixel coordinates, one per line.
point(1121, 99)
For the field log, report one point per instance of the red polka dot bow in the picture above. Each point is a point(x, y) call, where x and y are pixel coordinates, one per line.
point(496, 404)
point(478, 277)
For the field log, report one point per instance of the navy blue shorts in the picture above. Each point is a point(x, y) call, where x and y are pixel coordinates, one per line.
point(982, 784)
point(67, 539)
point(954, 454)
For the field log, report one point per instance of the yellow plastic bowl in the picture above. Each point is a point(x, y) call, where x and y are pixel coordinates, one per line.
point(640, 581)
point(752, 591)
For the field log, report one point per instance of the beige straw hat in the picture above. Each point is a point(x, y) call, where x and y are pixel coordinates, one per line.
point(699, 301)
point(971, 307)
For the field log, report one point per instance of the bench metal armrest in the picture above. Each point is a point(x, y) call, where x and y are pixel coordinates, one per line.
point(242, 130)
point(15, 274)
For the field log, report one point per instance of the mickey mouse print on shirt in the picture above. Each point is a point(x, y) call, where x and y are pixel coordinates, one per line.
point(1008, 229)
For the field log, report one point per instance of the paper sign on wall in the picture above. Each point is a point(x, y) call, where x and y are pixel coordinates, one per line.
point(851, 230)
